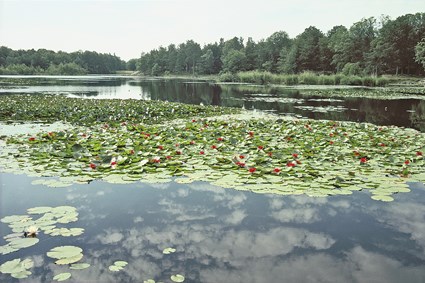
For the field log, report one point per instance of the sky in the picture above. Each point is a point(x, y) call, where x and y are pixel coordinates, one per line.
point(128, 28)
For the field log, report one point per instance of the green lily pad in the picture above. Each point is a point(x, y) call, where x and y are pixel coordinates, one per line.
point(64, 252)
point(120, 263)
point(384, 198)
point(168, 251)
point(177, 278)
point(62, 276)
point(21, 243)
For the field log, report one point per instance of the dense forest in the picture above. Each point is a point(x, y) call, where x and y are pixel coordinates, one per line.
point(42, 61)
point(369, 47)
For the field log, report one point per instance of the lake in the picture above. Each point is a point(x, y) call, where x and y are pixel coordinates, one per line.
point(223, 235)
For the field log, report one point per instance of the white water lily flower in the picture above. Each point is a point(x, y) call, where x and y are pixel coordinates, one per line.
point(32, 231)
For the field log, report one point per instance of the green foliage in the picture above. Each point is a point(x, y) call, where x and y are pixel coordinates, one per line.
point(42, 61)
point(234, 61)
point(308, 78)
point(420, 52)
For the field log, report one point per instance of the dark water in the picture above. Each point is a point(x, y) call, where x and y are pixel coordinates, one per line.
point(399, 112)
point(222, 235)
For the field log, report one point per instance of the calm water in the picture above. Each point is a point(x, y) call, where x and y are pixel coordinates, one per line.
point(400, 112)
point(223, 235)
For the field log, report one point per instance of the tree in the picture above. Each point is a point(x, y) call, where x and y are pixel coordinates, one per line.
point(234, 61)
point(420, 53)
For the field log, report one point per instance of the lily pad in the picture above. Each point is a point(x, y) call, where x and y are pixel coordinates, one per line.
point(62, 276)
point(177, 278)
point(79, 266)
point(63, 252)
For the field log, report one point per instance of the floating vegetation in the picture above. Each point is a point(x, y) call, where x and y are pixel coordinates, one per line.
point(177, 278)
point(167, 251)
point(265, 154)
point(25, 227)
point(379, 93)
point(66, 254)
point(17, 268)
point(118, 265)
point(62, 276)
point(79, 266)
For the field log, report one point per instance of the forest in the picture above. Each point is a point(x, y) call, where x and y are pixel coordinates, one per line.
point(48, 62)
point(370, 47)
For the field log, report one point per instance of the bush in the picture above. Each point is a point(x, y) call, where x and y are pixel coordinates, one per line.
point(368, 81)
point(381, 81)
point(291, 79)
point(308, 78)
point(227, 77)
point(326, 80)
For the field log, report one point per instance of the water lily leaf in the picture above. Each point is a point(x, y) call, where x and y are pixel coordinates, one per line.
point(177, 278)
point(64, 252)
point(39, 210)
point(120, 263)
point(168, 251)
point(11, 266)
point(149, 281)
point(21, 275)
point(62, 276)
point(115, 268)
point(23, 243)
point(69, 260)
point(78, 266)
point(13, 218)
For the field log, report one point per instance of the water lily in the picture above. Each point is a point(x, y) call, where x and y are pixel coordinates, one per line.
point(251, 133)
point(407, 162)
point(419, 153)
point(294, 155)
point(276, 170)
point(241, 156)
point(31, 139)
point(252, 169)
point(202, 152)
point(363, 160)
point(220, 139)
point(168, 157)
point(92, 166)
point(240, 164)
point(260, 147)
point(213, 147)
point(31, 232)
point(160, 147)
point(291, 164)
point(270, 153)
point(192, 142)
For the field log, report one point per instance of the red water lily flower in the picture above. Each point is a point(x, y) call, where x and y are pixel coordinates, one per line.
point(270, 153)
point(419, 153)
point(156, 160)
point(356, 153)
point(213, 147)
point(220, 139)
point(160, 147)
point(50, 134)
point(294, 155)
point(31, 139)
point(113, 163)
point(193, 120)
point(252, 169)
point(331, 142)
point(192, 142)
point(201, 152)
point(251, 133)
point(276, 170)
point(240, 164)
point(407, 162)
point(177, 145)
point(382, 144)
point(363, 160)
point(241, 157)
point(168, 157)
point(92, 166)
point(84, 135)
point(291, 164)
point(178, 152)
point(132, 151)
point(260, 147)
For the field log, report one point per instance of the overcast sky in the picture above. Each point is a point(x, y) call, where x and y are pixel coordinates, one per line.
point(128, 28)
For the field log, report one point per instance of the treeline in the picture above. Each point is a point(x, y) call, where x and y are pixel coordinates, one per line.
point(42, 61)
point(368, 48)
